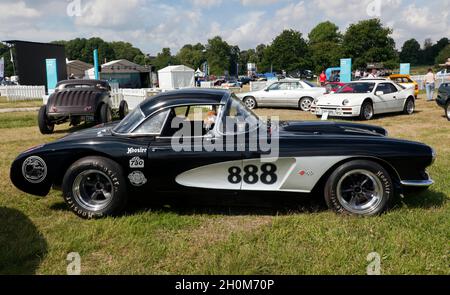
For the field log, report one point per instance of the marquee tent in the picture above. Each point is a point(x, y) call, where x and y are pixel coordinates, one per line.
point(175, 77)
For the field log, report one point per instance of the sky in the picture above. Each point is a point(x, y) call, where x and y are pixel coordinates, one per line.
point(151, 25)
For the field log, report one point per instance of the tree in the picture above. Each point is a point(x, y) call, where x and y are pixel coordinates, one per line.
point(5, 53)
point(443, 56)
point(192, 55)
point(325, 32)
point(325, 46)
point(288, 52)
point(164, 59)
point(368, 41)
point(218, 54)
point(410, 52)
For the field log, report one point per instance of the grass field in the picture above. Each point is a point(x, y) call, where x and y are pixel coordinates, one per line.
point(5, 104)
point(37, 234)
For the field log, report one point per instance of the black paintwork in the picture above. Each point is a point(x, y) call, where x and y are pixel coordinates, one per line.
point(405, 160)
point(443, 97)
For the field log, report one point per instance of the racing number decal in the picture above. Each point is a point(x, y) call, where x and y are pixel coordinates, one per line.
point(268, 175)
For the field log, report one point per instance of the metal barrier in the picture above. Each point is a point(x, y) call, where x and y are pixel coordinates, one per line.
point(440, 79)
point(133, 97)
point(21, 93)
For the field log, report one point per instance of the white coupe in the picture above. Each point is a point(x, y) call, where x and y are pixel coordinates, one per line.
point(289, 93)
point(366, 98)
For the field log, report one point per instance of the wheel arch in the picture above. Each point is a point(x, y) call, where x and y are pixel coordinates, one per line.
point(395, 176)
point(409, 97)
point(61, 171)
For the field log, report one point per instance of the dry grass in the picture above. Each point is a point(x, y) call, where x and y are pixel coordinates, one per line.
point(37, 234)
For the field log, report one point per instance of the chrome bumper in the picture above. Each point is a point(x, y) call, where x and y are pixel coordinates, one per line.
point(417, 183)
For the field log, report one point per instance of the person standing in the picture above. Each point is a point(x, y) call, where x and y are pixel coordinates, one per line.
point(430, 80)
point(322, 78)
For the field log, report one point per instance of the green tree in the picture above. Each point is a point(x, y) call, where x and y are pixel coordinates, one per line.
point(325, 46)
point(410, 52)
point(164, 59)
point(288, 52)
point(192, 55)
point(368, 41)
point(443, 56)
point(125, 50)
point(5, 53)
point(218, 54)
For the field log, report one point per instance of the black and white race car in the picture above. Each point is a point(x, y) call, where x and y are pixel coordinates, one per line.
point(205, 140)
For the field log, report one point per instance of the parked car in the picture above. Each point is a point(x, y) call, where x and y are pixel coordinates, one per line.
point(75, 101)
point(219, 82)
point(405, 80)
point(8, 83)
point(443, 98)
point(356, 167)
point(302, 74)
point(289, 93)
point(366, 98)
point(245, 80)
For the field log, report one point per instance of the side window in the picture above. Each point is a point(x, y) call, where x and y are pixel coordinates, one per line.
point(384, 87)
point(154, 124)
point(275, 86)
point(392, 88)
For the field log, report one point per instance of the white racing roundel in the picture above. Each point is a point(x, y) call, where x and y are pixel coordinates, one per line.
point(34, 169)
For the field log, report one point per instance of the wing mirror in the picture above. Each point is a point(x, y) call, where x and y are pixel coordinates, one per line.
point(379, 93)
point(266, 89)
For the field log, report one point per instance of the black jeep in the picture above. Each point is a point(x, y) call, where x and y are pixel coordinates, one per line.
point(443, 98)
point(76, 101)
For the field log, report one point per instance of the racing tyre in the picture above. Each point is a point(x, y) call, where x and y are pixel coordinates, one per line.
point(105, 114)
point(75, 121)
point(447, 110)
point(410, 106)
point(250, 102)
point(362, 188)
point(366, 111)
point(305, 104)
point(45, 126)
point(95, 187)
point(123, 109)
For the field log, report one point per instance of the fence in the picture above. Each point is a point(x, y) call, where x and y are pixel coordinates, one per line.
point(440, 79)
point(133, 97)
point(20, 93)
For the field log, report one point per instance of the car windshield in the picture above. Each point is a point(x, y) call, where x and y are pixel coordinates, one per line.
point(130, 122)
point(357, 88)
point(238, 118)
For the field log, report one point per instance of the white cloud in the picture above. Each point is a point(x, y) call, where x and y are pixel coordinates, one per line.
point(10, 11)
point(258, 2)
point(206, 3)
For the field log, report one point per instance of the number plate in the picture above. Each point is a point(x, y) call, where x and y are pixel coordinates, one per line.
point(89, 118)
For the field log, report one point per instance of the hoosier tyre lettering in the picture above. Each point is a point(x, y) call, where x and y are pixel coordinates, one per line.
point(94, 187)
point(359, 188)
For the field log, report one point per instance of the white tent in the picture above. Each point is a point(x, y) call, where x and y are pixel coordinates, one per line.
point(199, 74)
point(174, 77)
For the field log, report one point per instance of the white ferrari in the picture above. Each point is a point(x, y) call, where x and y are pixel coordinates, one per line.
point(366, 98)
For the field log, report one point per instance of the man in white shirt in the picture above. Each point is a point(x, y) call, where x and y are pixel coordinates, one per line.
point(430, 80)
point(373, 74)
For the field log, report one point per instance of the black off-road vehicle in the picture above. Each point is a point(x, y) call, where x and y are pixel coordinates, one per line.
point(443, 98)
point(77, 101)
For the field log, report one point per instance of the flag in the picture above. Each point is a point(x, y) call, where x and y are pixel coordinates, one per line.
point(2, 68)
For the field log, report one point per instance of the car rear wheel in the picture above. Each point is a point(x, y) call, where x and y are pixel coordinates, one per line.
point(95, 187)
point(305, 104)
point(45, 126)
point(360, 187)
point(250, 102)
point(123, 109)
point(105, 114)
point(410, 106)
point(447, 110)
point(366, 111)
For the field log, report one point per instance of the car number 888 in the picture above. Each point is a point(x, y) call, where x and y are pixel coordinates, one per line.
point(251, 174)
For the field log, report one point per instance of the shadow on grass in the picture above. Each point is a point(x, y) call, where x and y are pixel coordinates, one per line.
point(425, 199)
point(22, 246)
point(255, 203)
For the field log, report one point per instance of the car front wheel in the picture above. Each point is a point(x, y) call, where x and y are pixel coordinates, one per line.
point(366, 111)
point(250, 102)
point(105, 114)
point(362, 188)
point(95, 187)
point(45, 126)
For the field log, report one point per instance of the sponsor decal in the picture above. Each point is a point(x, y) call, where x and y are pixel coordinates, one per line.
point(34, 169)
point(306, 172)
point(137, 162)
point(136, 151)
point(137, 178)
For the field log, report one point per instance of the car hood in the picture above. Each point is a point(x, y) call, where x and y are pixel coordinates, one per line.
point(288, 128)
point(99, 131)
point(338, 98)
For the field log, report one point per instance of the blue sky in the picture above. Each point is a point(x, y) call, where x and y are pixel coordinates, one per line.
point(151, 25)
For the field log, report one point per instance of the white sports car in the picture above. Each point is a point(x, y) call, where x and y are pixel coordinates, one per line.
point(366, 98)
point(289, 93)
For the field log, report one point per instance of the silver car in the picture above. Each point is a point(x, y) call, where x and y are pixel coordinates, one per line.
point(290, 94)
